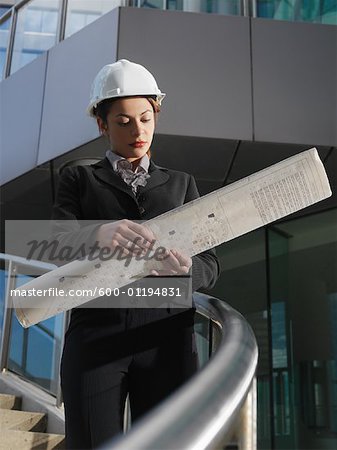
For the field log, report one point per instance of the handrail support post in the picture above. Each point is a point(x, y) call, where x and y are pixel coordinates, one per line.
point(7, 319)
point(246, 431)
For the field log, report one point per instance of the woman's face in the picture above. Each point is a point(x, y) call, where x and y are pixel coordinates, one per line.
point(129, 127)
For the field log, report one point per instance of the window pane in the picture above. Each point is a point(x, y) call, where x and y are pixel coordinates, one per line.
point(303, 291)
point(82, 12)
point(35, 32)
point(319, 11)
point(228, 7)
point(152, 4)
point(34, 352)
point(3, 9)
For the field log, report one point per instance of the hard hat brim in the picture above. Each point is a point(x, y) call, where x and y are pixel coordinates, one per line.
point(90, 109)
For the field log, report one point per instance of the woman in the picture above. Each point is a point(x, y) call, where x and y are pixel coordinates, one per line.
point(110, 352)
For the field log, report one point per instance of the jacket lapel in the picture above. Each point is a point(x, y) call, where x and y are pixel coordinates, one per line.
point(158, 176)
point(104, 172)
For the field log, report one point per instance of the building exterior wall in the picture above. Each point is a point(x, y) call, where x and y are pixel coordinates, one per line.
point(20, 119)
point(233, 78)
point(294, 82)
point(204, 68)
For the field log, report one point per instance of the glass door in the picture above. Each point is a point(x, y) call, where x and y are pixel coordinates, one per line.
point(303, 297)
point(282, 365)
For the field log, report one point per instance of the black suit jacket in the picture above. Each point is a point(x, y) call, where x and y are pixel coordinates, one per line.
point(96, 193)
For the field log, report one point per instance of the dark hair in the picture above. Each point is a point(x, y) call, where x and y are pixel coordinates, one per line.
point(103, 108)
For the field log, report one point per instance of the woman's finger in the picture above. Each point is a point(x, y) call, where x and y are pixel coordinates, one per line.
point(174, 263)
point(183, 259)
point(177, 261)
point(164, 272)
point(142, 230)
point(128, 234)
point(131, 246)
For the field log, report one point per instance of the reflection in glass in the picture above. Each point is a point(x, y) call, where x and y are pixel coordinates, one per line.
point(36, 31)
point(279, 335)
point(34, 352)
point(159, 4)
point(201, 329)
point(320, 11)
point(228, 7)
point(4, 35)
point(303, 276)
point(82, 12)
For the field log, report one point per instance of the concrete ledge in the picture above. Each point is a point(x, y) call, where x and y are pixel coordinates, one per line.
point(26, 440)
point(22, 420)
point(8, 401)
point(34, 399)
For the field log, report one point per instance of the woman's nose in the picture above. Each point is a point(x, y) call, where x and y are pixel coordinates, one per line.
point(137, 129)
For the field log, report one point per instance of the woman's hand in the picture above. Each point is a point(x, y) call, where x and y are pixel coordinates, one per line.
point(133, 239)
point(130, 238)
point(174, 263)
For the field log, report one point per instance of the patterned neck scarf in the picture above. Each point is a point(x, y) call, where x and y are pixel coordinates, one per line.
point(123, 167)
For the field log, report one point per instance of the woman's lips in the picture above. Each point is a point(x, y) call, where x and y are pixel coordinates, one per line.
point(139, 144)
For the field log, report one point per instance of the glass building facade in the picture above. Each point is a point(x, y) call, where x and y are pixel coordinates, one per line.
point(283, 279)
point(35, 32)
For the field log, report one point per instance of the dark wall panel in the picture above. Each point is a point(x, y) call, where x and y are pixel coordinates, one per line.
point(202, 63)
point(294, 82)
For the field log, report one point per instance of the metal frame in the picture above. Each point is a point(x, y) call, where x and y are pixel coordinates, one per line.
point(7, 320)
point(61, 27)
point(10, 41)
point(59, 397)
point(245, 8)
point(253, 8)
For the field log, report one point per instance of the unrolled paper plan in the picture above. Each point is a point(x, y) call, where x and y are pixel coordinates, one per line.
point(199, 225)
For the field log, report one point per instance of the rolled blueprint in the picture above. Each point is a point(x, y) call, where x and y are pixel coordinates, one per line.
point(222, 215)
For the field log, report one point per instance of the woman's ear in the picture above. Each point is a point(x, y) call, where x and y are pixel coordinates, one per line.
point(101, 125)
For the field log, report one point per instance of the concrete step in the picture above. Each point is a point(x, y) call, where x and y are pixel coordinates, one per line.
point(22, 420)
point(27, 440)
point(8, 401)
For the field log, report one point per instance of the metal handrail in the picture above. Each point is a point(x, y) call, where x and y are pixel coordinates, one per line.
point(19, 260)
point(202, 413)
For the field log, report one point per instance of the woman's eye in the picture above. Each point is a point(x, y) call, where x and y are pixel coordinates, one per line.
point(146, 120)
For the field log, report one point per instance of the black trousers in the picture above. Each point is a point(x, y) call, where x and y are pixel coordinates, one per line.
point(147, 353)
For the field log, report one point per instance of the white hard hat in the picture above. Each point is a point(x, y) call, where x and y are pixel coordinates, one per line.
point(122, 79)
